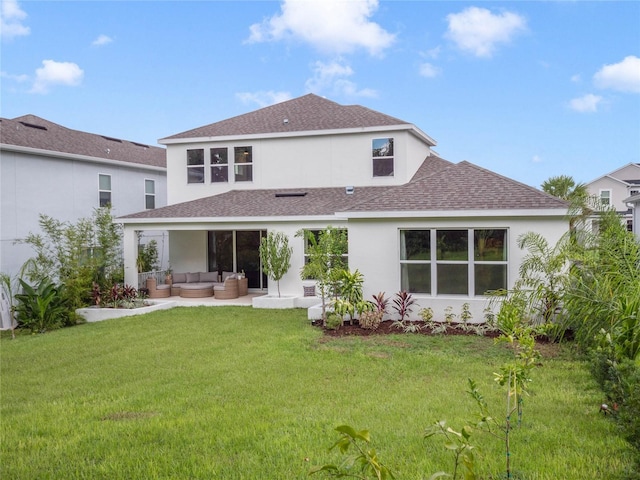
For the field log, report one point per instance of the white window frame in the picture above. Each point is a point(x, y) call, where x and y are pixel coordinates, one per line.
point(195, 166)
point(433, 262)
point(383, 156)
point(104, 190)
point(148, 195)
point(608, 197)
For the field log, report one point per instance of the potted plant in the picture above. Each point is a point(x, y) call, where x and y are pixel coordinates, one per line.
point(168, 277)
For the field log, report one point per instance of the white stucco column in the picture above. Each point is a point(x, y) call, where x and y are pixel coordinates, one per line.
point(130, 254)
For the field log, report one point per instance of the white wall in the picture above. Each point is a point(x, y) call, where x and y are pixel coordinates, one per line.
point(305, 162)
point(65, 190)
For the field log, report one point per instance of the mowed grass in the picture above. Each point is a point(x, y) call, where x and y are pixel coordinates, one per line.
point(241, 393)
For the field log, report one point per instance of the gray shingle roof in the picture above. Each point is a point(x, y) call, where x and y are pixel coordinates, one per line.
point(307, 113)
point(35, 132)
point(438, 185)
point(263, 203)
point(461, 186)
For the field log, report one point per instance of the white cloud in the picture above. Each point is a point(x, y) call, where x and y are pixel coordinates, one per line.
point(536, 159)
point(263, 98)
point(15, 78)
point(102, 40)
point(333, 77)
point(428, 70)
point(11, 17)
point(334, 26)
point(623, 76)
point(586, 104)
point(56, 73)
point(479, 31)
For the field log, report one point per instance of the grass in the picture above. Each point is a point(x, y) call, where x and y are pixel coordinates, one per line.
point(241, 393)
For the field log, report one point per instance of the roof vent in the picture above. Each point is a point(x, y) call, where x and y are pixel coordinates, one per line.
point(33, 125)
point(112, 139)
point(349, 190)
point(291, 194)
point(285, 121)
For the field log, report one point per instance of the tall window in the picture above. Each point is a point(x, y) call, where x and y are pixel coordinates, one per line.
point(382, 152)
point(442, 262)
point(149, 194)
point(104, 189)
point(605, 197)
point(195, 165)
point(243, 166)
point(219, 165)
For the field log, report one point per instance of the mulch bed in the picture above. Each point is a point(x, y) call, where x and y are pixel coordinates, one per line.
point(387, 328)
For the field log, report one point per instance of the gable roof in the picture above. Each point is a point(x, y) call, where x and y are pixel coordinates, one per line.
point(439, 186)
point(309, 113)
point(615, 175)
point(37, 133)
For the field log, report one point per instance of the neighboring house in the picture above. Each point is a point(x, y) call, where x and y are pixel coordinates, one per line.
point(48, 169)
point(634, 202)
point(444, 232)
point(616, 187)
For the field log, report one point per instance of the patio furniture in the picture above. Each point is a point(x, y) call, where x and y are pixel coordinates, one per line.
point(196, 290)
point(243, 286)
point(229, 289)
point(157, 291)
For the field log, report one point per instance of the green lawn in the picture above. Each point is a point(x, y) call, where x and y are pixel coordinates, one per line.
point(240, 393)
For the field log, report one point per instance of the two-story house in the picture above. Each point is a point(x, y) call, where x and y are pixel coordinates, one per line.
point(444, 232)
point(615, 188)
point(49, 169)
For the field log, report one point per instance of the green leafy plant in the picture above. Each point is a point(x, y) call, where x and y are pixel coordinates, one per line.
point(41, 308)
point(458, 443)
point(325, 260)
point(275, 256)
point(362, 464)
point(147, 260)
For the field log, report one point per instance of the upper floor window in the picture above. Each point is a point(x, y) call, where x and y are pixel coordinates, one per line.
point(605, 197)
point(243, 164)
point(104, 189)
point(382, 153)
point(219, 165)
point(195, 165)
point(149, 194)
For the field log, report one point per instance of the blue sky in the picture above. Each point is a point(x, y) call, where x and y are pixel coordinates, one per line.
point(526, 89)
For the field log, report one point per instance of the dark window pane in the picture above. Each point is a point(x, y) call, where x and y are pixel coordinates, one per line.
point(453, 244)
point(195, 175)
point(490, 245)
point(243, 154)
point(383, 167)
point(490, 277)
point(219, 156)
point(220, 174)
point(150, 202)
point(105, 199)
point(195, 157)
point(453, 279)
point(415, 245)
point(416, 277)
point(244, 173)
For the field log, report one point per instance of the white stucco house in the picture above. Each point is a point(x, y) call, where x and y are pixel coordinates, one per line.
point(444, 232)
point(615, 189)
point(49, 169)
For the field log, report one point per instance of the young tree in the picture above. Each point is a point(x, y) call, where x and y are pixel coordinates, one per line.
point(326, 262)
point(275, 256)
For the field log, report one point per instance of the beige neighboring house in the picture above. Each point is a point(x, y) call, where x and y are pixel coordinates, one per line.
point(49, 169)
point(616, 188)
point(445, 232)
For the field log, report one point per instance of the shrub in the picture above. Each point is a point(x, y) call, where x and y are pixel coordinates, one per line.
point(371, 320)
point(41, 308)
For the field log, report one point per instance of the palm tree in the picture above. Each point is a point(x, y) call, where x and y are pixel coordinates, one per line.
point(565, 187)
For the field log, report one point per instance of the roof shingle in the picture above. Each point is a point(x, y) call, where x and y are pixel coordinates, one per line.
point(307, 113)
point(35, 132)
